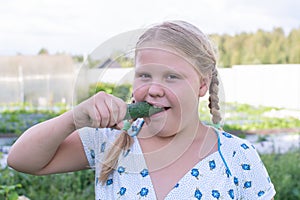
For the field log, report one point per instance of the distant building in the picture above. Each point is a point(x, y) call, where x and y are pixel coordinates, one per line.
point(109, 63)
point(41, 80)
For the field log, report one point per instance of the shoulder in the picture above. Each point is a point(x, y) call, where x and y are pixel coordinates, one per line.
point(239, 153)
point(233, 143)
point(246, 167)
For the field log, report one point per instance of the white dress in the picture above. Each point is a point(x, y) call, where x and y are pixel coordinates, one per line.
point(235, 171)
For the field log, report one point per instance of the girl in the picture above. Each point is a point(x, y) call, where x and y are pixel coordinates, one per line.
point(169, 155)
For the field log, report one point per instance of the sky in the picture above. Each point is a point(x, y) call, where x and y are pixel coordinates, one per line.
point(77, 27)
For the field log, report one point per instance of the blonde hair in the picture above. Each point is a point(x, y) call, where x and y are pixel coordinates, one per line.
point(196, 46)
point(123, 142)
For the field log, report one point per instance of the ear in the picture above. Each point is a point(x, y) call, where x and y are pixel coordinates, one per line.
point(204, 85)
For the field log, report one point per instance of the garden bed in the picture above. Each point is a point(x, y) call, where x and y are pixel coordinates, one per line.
point(243, 120)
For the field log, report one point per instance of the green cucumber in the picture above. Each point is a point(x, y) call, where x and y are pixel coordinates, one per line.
point(140, 109)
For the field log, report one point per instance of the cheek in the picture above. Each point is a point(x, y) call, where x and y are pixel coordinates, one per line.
point(188, 90)
point(139, 92)
point(188, 97)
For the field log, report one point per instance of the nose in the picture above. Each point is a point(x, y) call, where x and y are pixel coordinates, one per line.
point(156, 90)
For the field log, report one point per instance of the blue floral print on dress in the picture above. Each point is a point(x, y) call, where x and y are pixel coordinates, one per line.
point(236, 151)
point(260, 193)
point(134, 128)
point(109, 182)
point(195, 172)
point(212, 164)
point(236, 181)
point(227, 135)
point(144, 173)
point(121, 170)
point(233, 154)
point(122, 191)
point(246, 166)
point(231, 193)
point(197, 194)
point(227, 173)
point(92, 152)
point(144, 191)
point(103, 145)
point(247, 184)
point(215, 194)
point(244, 146)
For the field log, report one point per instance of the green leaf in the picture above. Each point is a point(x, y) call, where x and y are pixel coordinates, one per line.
point(13, 196)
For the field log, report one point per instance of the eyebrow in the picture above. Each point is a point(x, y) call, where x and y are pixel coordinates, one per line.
point(145, 69)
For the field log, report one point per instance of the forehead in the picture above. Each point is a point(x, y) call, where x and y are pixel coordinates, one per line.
point(162, 56)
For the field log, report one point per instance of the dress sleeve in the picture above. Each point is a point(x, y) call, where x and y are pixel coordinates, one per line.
point(88, 137)
point(96, 142)
point(253, 179)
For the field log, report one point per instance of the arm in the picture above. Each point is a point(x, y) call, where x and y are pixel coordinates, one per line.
point(54, 146)
point(46, 148)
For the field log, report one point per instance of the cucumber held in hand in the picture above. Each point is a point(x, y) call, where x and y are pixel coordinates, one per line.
point(140, 109)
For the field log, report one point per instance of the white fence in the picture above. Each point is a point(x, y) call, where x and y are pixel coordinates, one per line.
point(268, 85)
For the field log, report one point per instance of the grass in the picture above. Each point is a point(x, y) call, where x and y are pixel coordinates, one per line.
point(248, 118)
point(237, 117)
point(67, 186)
point(284, 171)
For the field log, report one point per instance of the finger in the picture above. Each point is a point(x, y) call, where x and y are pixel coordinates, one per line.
point(104, 114)
point(94, 117)
point(114, 110)
point(118, 126)
point(122, 108)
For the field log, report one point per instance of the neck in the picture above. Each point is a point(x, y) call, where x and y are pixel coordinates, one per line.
point(163, 151)
point(194, 132)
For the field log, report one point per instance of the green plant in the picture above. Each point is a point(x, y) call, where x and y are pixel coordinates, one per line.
point(247, 118)
point(284, 171)
point(17, 117)
point(122, 91)
point(68, 186)
point(8, 192)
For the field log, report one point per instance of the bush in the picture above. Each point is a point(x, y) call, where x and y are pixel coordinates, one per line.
point(17, 122)
point(68, 186)
point(122, 91)
point(284, 171)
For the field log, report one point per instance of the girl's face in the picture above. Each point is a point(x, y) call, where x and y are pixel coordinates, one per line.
point(165, 79)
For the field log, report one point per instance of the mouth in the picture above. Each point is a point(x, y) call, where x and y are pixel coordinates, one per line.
point(160, 106)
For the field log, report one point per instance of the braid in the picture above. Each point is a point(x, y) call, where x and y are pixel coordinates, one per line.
point(123, 142)
point(214, 99)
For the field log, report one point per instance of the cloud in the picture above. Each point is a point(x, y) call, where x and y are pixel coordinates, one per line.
point(79, 26)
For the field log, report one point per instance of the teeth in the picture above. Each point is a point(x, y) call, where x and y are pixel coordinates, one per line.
point(156, 106)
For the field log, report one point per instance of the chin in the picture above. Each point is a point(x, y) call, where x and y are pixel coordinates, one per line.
point(161, 128)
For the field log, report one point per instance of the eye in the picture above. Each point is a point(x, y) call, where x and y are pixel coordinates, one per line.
point(172, 77)
point(143, 75)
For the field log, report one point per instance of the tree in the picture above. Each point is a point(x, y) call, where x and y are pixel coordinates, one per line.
point(43, 51)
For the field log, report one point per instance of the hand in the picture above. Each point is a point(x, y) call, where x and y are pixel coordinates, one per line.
point(99, 111)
